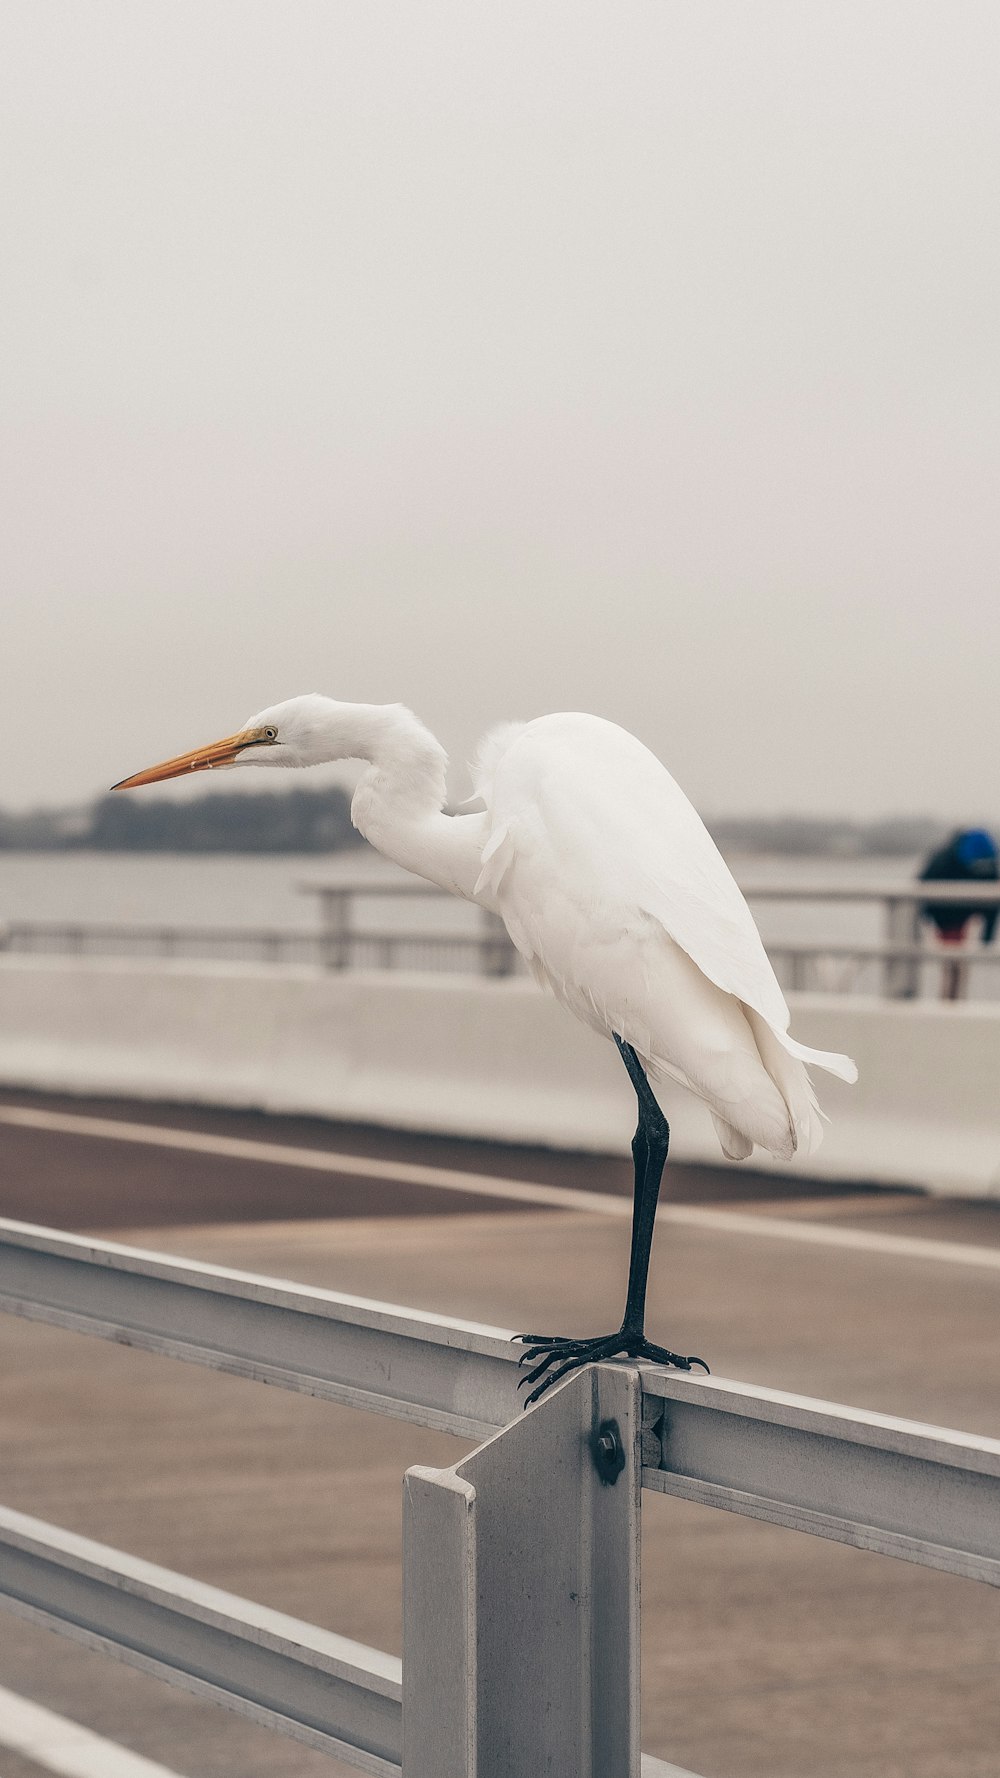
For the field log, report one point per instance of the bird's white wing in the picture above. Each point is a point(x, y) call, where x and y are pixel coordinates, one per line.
point(618, 831)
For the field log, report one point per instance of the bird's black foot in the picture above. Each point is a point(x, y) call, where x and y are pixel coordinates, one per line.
point(552, 1357)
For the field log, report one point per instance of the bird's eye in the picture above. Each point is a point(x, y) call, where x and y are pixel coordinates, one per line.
point(270, 734)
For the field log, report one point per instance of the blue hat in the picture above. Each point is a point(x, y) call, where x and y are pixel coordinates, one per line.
point(975, 844)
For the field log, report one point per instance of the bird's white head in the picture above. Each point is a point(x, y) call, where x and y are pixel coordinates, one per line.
point(303, 731)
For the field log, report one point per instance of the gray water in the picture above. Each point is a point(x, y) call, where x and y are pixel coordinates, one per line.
point(252, 890)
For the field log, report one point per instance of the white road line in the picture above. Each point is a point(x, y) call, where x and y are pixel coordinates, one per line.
point(819, 1234)
point(285, 1154)
point(485, 1185)
point(59, 1745)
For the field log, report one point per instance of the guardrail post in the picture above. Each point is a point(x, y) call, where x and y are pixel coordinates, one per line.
point(496, 950)
point(521, 1594)
point(336, 906)
point(902, 928)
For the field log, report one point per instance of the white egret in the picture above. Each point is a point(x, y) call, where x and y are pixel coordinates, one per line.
point(615, 895)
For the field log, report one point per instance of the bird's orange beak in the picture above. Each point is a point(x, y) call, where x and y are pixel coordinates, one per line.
point(202, 759)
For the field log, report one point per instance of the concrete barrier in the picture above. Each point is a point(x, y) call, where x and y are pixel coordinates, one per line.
point(490, 1059)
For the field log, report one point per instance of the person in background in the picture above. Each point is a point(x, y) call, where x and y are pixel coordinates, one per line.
point(970, 856)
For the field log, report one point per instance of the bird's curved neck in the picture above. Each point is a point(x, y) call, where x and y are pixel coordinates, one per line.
point(399, 803)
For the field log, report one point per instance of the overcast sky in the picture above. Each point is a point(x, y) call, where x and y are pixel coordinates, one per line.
point(503, 358)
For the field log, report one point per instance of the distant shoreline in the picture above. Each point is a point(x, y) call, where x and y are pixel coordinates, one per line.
point(268, 822)
point(319, 821)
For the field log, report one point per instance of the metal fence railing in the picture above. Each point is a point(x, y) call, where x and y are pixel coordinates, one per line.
point(104, 939)
point(538, 1527)
point(907, 961)
point(878, 968)
point(475, 954)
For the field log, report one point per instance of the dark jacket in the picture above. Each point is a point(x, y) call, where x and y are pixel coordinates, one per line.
point(969, 857)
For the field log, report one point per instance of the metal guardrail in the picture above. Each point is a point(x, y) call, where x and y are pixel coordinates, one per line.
point(922, 1493)
point(879, 967)
point(908, 961)
point(79, 938)
point(907, 947)
point(800, 964)
point(436, 1372)
point(320, 1688)
point(901, 959)
point(532, 1499)
point(476, 954)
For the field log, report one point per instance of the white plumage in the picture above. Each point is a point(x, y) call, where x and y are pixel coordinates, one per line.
point(614, 892)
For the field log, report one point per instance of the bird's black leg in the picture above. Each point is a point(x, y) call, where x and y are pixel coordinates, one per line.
point(649, 1151)
point(552, 1357)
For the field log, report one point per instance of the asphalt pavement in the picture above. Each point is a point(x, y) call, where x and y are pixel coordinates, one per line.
point(767, 1654)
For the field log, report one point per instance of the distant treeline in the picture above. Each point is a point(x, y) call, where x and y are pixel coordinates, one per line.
point(254, 821)
point(320, 821)
point(893, 836)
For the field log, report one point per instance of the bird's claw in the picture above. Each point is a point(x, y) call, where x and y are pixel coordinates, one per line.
point(552, 1356)
point(569, 1353)
point(676, 1360)
point(559, 1348)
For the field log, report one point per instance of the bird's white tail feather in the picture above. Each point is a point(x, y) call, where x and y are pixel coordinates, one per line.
point(792, 1082)
point(841, 1066)
point(735, 1146)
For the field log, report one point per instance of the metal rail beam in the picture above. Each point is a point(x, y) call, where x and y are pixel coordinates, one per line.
point(453, 1376)
point(908, 889)
point(887, 953)
point(923, 1493)
point(309, 1684)
point(860, 888)
point(319, 1688)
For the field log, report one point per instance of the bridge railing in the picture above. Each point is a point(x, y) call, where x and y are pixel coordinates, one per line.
point(474, 954)
point(521, 1562)
point(905, 962)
